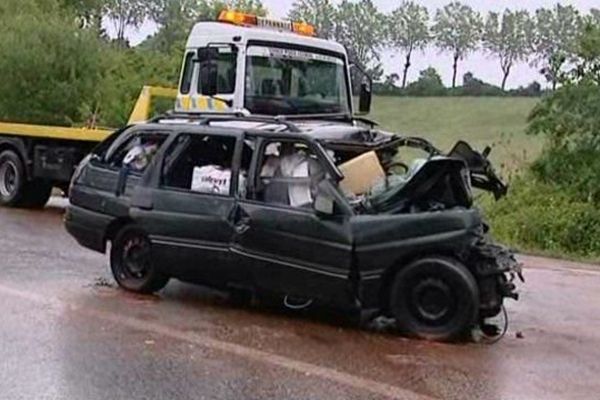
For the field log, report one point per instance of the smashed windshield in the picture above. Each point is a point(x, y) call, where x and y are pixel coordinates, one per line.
point(291, 82)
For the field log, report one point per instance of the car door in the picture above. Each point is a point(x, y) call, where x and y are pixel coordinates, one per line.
point(292, 251)
point(188, 221)
point(108, 182)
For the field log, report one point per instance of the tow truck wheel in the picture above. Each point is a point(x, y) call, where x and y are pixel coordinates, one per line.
point(37, 193)
point(12, 179)
point(434, 299)
point(131, 262)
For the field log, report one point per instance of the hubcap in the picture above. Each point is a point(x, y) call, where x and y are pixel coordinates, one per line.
point(432, 301)
point(136, 258)
point(8, 178)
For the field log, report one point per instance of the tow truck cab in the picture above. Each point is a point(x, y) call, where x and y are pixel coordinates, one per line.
point(252, 65)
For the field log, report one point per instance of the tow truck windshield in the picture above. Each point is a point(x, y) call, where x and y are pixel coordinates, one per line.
point(282, 81)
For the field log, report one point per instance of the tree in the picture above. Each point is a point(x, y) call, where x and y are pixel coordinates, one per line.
point(555, 41)
point(319, 13)
point(359, 27)
point(508, 38)
point(54, 66)
point(408, 30)
point(89, 12)
point(457, 29)
point(595, 16)
point(429, 84)
point(176, 18)
point(125, 14)
point(209, 10)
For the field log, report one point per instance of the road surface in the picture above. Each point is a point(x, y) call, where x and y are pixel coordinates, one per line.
point(67, 332)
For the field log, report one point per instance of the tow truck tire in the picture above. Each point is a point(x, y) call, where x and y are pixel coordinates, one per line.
point(37, 193)
point(434, 298)
point(13, 179)
point(132, 264)
point(15, 189)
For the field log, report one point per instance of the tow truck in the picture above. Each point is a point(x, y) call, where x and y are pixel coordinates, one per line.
point(36, 158)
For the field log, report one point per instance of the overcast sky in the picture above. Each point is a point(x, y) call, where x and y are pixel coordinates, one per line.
point(480, 64)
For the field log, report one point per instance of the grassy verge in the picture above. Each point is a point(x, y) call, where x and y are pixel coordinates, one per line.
point(542, 219)
point(482, 121)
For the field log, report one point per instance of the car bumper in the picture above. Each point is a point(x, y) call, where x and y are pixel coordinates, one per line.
point(87, 227)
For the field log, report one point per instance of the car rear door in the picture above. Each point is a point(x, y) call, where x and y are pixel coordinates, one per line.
point(188, 222)
point(107, 183)
point(292, 251)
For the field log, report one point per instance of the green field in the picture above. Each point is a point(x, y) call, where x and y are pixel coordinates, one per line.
point(482, 121)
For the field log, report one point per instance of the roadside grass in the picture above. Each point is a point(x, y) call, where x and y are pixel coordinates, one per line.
point(499, 122)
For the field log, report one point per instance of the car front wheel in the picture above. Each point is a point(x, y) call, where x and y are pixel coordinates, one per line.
point(132, 264)
point(435, 299)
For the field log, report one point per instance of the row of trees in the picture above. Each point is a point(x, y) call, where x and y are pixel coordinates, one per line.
point(547, 39)
point(173, 17)
point(64, 69)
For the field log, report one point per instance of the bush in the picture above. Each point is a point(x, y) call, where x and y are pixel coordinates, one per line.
point(49, 65)
point(536, 216)
point(429, 84)
point(574, 170)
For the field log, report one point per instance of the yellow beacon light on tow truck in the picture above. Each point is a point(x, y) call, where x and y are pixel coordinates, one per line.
point(242, 19)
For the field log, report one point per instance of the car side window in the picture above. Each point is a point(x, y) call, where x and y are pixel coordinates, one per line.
point(137, 152)
point(199, 163)
point(288, 174)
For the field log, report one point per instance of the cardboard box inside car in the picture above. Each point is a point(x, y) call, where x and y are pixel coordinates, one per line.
point(361, 173)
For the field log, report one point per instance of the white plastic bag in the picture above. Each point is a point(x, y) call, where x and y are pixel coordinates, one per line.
point(211, 179)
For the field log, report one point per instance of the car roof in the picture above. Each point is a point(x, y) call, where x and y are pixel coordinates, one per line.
point(311, 128)
point(233, 131)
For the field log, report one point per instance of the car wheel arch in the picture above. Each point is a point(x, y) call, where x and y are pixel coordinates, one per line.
point(113, 229)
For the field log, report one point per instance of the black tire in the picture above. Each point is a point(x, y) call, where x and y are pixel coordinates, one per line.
point(131, 262)
point(434, 298)
point(15, 190)
point(13, 179)
point(36, 194)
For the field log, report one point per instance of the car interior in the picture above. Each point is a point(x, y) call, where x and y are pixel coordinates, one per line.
point(196, 151)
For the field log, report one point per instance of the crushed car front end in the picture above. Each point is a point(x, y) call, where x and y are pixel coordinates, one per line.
point(423, 214)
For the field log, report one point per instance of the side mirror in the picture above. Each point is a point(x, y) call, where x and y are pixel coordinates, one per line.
point(365, 99)
point(362, 87)
point(209, 72)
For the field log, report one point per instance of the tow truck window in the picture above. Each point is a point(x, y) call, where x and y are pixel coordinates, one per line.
point(290, 82)
point(226, 70)
point(186, 76)
point(199, 163)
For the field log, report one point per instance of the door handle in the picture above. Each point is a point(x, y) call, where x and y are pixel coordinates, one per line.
point(242, 225)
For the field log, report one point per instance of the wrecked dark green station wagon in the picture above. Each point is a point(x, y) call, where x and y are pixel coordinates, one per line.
point(262, 206)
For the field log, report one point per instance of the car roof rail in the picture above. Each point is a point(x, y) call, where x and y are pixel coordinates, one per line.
point(290, 126)
point(208, 118)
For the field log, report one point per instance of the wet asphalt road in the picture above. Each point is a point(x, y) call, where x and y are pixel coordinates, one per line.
point(67, 333)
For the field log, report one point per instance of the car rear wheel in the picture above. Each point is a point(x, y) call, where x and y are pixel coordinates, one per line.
point(435, 299)
point(132, 264)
